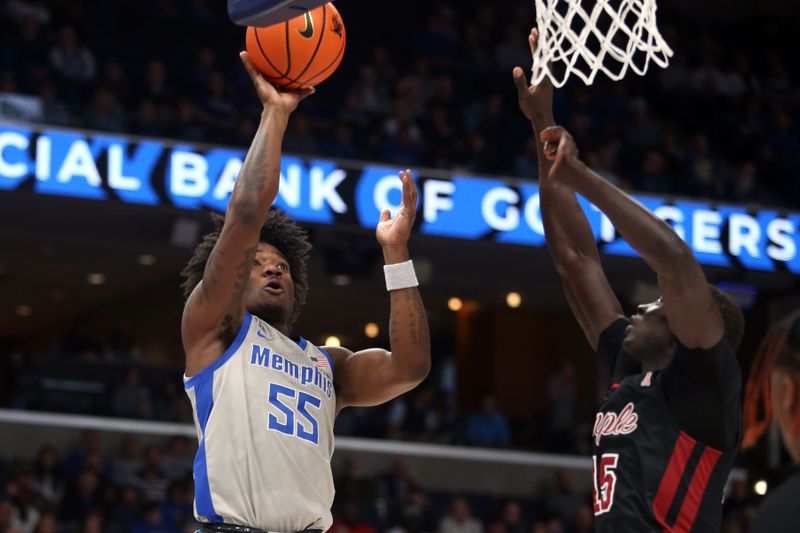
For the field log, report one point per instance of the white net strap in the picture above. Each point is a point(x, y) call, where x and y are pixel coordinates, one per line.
point(566, 37)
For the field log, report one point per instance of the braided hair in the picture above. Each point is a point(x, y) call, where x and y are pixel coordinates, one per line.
point(780, 348)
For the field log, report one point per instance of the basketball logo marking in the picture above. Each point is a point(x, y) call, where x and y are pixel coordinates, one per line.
point(336, 27)
point(308, 32)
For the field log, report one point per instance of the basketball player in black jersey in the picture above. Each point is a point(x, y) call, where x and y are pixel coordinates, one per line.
point(773, 390)
point(665, 437)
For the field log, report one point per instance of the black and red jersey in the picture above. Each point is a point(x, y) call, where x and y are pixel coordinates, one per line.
point(655, 468)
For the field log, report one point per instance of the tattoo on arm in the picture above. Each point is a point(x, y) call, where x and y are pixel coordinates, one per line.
point(242, 273)
point(417, 328)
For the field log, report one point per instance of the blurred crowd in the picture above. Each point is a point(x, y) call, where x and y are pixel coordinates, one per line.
point(148, 488)
point(104, 381)
point(433, 89)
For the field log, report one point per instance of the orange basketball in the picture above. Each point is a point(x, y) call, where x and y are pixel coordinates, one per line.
point(301, 52)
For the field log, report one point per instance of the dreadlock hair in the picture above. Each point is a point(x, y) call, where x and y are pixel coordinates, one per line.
point(780, 348)
point(732, 317)
point(278, 230)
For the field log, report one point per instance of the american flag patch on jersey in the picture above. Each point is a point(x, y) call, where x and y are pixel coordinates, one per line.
point(321, 362)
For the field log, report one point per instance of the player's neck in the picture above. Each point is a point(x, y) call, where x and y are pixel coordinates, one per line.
point(275, 319)
point(657, 362)
point(282, 327)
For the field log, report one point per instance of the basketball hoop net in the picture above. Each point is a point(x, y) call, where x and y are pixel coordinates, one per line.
point(615, 35)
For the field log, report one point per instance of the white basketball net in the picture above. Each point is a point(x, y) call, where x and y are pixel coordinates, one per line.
point(569, 34)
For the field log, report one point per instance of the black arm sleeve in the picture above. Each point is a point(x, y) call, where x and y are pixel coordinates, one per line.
point(609, 350)
point(703, 390)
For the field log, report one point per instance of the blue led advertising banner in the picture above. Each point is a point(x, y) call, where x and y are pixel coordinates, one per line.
point(108, 167)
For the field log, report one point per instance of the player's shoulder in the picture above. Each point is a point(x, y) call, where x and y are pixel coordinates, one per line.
point(779, 512)
point(719, 359)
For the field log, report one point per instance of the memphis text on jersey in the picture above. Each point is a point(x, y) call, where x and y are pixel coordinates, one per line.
point(303, 374)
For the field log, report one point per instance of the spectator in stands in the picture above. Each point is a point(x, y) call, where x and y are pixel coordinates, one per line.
point(125, 466)
point(450, 419)
point(151, 480)
point(48, 478)
point(583, 520)
point(54, 111)
point(47, 524)
point(93, 523)
point(170, 402)
point(83, 496)
point(71, 60)
point(31, 55)
point(178, 461)
point(702, 169)
point(395, 484)
point(126, 511)
point(562, 392)
point(415, 514)
point(90, 443)
point(393, 489)
point(153, 521)
point(22, 10)
point(131, 398)
point(414, 416)
point(20, 491)
point(351, 485)
point(349, 520)
point(512, 518)
point(488, 427)
point(7, 524)
point(743, 186)
point(526, 165)
point(105, 112)
point(177, 509)
point(459, 519)
point(562, 499)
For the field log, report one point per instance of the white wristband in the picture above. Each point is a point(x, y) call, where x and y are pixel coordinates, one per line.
point(400, 276)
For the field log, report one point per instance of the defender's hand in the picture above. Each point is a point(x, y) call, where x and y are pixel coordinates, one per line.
point(535, 101)
point(393, 233)
point(271, 97)
point(559, 146)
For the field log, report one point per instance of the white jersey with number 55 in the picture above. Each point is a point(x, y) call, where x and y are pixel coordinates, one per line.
point(264, 413)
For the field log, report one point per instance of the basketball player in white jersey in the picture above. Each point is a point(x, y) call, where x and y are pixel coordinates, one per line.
point(265, 401)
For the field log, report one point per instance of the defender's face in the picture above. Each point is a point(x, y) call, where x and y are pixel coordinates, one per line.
point(269, 293)
point(785, 397)
point(648, 333)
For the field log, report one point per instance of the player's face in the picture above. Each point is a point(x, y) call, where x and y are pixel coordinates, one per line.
point(649, 333)
point(785, 393)
point(270, 291)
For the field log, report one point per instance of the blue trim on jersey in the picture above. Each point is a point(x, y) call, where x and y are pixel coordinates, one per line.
point(237, 342)
point(302, 343)
point(330, 359)
point(204, 402)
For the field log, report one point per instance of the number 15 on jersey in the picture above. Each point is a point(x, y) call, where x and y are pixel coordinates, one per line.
point(605, 481)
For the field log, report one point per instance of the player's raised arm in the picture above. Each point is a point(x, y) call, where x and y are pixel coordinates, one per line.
point(215, 308)
point(375, 376)
point(567, 231)
point(692, 313)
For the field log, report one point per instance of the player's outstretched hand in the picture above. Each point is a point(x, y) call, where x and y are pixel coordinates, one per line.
point(535, 101)
point(270, 96)
point(395, 232)
point(559, 146)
